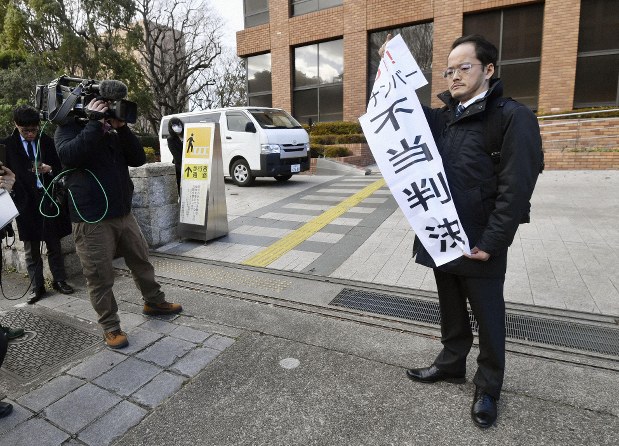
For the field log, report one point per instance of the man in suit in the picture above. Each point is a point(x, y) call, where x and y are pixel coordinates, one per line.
point(491, 194)
point(32, 156)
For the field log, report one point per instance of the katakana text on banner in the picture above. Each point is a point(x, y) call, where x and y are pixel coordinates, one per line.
point(400, 139)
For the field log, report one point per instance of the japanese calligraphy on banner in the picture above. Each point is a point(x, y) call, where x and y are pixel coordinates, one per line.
point(400, 139)
point(197, 158)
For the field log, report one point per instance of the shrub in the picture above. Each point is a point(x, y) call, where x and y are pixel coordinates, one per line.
point(337, 151)
point(336, 128)
point(317, 150)
point(151, 141)
point(324, 140)
point(350, 139)
point(151, 155)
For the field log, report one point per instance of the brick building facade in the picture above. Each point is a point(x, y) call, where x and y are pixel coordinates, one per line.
point(559, 48)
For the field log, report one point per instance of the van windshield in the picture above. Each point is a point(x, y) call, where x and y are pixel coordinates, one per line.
point(274, 119)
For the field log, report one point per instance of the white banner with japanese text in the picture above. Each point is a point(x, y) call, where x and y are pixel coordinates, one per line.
point(400, 139)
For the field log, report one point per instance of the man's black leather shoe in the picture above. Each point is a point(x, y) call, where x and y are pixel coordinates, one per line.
point(62, 287)
point(38, 295)
point(433, 374)
point(483, 410)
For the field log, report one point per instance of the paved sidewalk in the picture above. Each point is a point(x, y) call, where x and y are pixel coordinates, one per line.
point(260, 357)
point(567, 258)
point(96, 398)
point(234, 371)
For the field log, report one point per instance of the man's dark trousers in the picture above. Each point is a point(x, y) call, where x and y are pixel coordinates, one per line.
point(485, 296)
point(34, 262)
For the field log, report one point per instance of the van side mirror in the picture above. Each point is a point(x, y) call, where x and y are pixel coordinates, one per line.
point(250, 127)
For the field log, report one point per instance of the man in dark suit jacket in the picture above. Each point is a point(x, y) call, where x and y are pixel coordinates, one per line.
point(492, 197)
point(32, 156)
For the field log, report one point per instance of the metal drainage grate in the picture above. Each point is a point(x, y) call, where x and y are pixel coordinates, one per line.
point(527, 328)
point(46, 344)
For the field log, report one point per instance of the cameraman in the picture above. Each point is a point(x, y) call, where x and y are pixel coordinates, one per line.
point(25, 147)
point(100, 150)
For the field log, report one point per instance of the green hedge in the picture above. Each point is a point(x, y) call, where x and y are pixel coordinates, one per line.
point(336, 128)
point(355, 138)
point(337, 139)
point(336, 151)
point(323, 140)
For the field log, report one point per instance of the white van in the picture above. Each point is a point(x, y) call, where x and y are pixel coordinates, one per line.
point(255, 142)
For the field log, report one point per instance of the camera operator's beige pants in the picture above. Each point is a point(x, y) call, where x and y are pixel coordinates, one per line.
point(97, 244)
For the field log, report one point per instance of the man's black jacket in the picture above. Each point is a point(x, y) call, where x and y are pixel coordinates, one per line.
point(31, 224)
point(92, 151)
point(490, 202)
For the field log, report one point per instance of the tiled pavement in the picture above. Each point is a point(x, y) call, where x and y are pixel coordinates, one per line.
point(97, 400)
point(566, 258)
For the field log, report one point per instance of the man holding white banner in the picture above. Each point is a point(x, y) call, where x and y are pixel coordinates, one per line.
point(489, 151)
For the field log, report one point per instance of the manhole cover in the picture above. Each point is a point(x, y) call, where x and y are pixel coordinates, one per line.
point(46, 344)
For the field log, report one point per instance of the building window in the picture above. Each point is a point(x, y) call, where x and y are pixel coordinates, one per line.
point(418, 38)
point(300, 7)
point(318, 77)
point(597, 65)
point(256, 12)
point(259, 80)
point(517, 33)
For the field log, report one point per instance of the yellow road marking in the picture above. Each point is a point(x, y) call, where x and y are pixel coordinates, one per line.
point(290, 241)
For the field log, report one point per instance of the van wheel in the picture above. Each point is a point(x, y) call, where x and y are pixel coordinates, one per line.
point(282, 177)
point(241, 173)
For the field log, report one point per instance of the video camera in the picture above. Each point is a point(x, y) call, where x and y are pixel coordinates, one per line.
point(68, 97)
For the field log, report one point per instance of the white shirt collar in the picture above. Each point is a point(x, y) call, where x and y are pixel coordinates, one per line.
point(476, 98)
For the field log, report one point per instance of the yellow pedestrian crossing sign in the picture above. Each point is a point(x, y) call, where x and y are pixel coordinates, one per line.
point(197, 142)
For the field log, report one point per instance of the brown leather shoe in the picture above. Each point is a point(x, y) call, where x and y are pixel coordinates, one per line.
point(161, 309)
point(116, 339)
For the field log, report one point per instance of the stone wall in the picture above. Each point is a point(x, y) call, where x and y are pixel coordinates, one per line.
point(14, 257)
point(155, 202)
point(155, 206)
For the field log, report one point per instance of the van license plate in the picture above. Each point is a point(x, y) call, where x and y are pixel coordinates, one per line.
point(295, 168)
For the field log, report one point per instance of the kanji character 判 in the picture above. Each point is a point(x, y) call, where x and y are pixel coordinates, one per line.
point(426, 190)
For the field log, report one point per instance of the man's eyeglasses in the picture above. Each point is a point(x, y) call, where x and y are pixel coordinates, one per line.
point(463, 68)
point(29, 130)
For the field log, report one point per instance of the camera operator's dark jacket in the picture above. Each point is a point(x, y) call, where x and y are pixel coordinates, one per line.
point(107, 154)
point(490, 202)
point(32, 225)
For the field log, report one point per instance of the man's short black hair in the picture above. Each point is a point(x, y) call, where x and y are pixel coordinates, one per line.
point(26, 115)
point(485, 51)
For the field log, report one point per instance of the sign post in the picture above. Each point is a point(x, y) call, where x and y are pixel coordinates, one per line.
point(203, 211)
